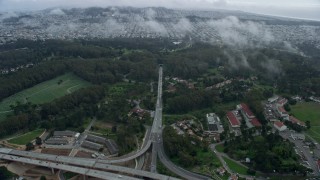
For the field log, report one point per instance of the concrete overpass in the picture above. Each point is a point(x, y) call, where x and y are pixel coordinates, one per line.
point(73, 163)
point(78, 170)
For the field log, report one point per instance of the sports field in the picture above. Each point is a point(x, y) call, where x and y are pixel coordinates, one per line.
point(309, 111)
point(44, 92)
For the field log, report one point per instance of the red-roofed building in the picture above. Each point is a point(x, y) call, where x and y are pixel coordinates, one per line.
point(282, 112)
point(279, 126)
point(233, 120)
point(296, 121)
point(255, 122)
point(318, 164)
point(246, 111)
point(282, 101)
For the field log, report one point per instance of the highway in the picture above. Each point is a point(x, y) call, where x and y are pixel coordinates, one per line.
point(176, 169)
point(157, 142)
point(78, 170)
point(157, 124)
point(73, 163)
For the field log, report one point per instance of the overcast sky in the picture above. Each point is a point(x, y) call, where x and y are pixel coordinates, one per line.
point(307, 9)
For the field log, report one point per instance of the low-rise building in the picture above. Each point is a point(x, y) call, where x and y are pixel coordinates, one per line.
point(233, 177)
point(96, 139)
point(57, 141)
point(282, 112)
point(255, 122)
point(233, 120)
point(91, 145)
point(282, 101)
point(249, 117)
point(279, 126)
point(273, 99)
point(214, 123)
point(245, 110)
point(297, 121)
point(221, 171)
point(64, 133)
point(112, 147)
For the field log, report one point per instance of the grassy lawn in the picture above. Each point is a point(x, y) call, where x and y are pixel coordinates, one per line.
point(27, 137)
point(235, 167)
point(44, 92)
point(309, 111)
point(220, 148)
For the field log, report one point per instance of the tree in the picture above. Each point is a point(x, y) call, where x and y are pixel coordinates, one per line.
point(38, 141)
point(29, 146)
point(114, 129)
point(287, 107)
point(43, 178)
point(308, 124)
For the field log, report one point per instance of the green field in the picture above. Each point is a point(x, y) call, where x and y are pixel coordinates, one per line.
point(235, 167)
point(220, 148)
point(309, 111)
point(44, 92)
point(27, 137)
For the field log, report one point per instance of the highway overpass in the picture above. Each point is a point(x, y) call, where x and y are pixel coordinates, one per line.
point(74, 162)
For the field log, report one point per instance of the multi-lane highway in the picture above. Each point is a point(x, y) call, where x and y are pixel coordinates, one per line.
point(157, 124)
point(92, 167)
point(75, 169)
point(73, 163)
point(157, 142)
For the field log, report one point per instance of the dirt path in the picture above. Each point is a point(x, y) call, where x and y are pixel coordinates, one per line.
point(69, 89)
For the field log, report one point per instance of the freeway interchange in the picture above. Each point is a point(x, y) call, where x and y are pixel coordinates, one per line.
point(103, 168)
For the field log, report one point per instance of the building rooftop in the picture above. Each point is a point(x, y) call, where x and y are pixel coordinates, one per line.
point(91, 145)
point(64, 133)
point(296, 121)
point(112, 146)
point(282, 110)
point(56, 141)
point(279, 124)
point(282, 101)
point(247, 110)
point(214, 123)
point(96, 139)
point(233, 119)
point(255, 122)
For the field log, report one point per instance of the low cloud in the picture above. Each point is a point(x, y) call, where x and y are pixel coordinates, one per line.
point(56, 11)
point(238, 33)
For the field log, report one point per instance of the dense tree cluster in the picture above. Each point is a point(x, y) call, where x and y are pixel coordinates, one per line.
point(268, 153)
point(183, 148)
point(188, 101)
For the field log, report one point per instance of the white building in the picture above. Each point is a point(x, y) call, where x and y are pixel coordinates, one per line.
point(279, 126)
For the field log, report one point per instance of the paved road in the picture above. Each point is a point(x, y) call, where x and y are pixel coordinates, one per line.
point(224, 164)
point(157, 142)
point(157, 124)
point(74, 162)
point(303, 151)
point(78, 170)
point(176, 169)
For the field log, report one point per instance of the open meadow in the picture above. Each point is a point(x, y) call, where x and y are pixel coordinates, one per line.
point(27, 137)
point(309, 111)
point(44, 92)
